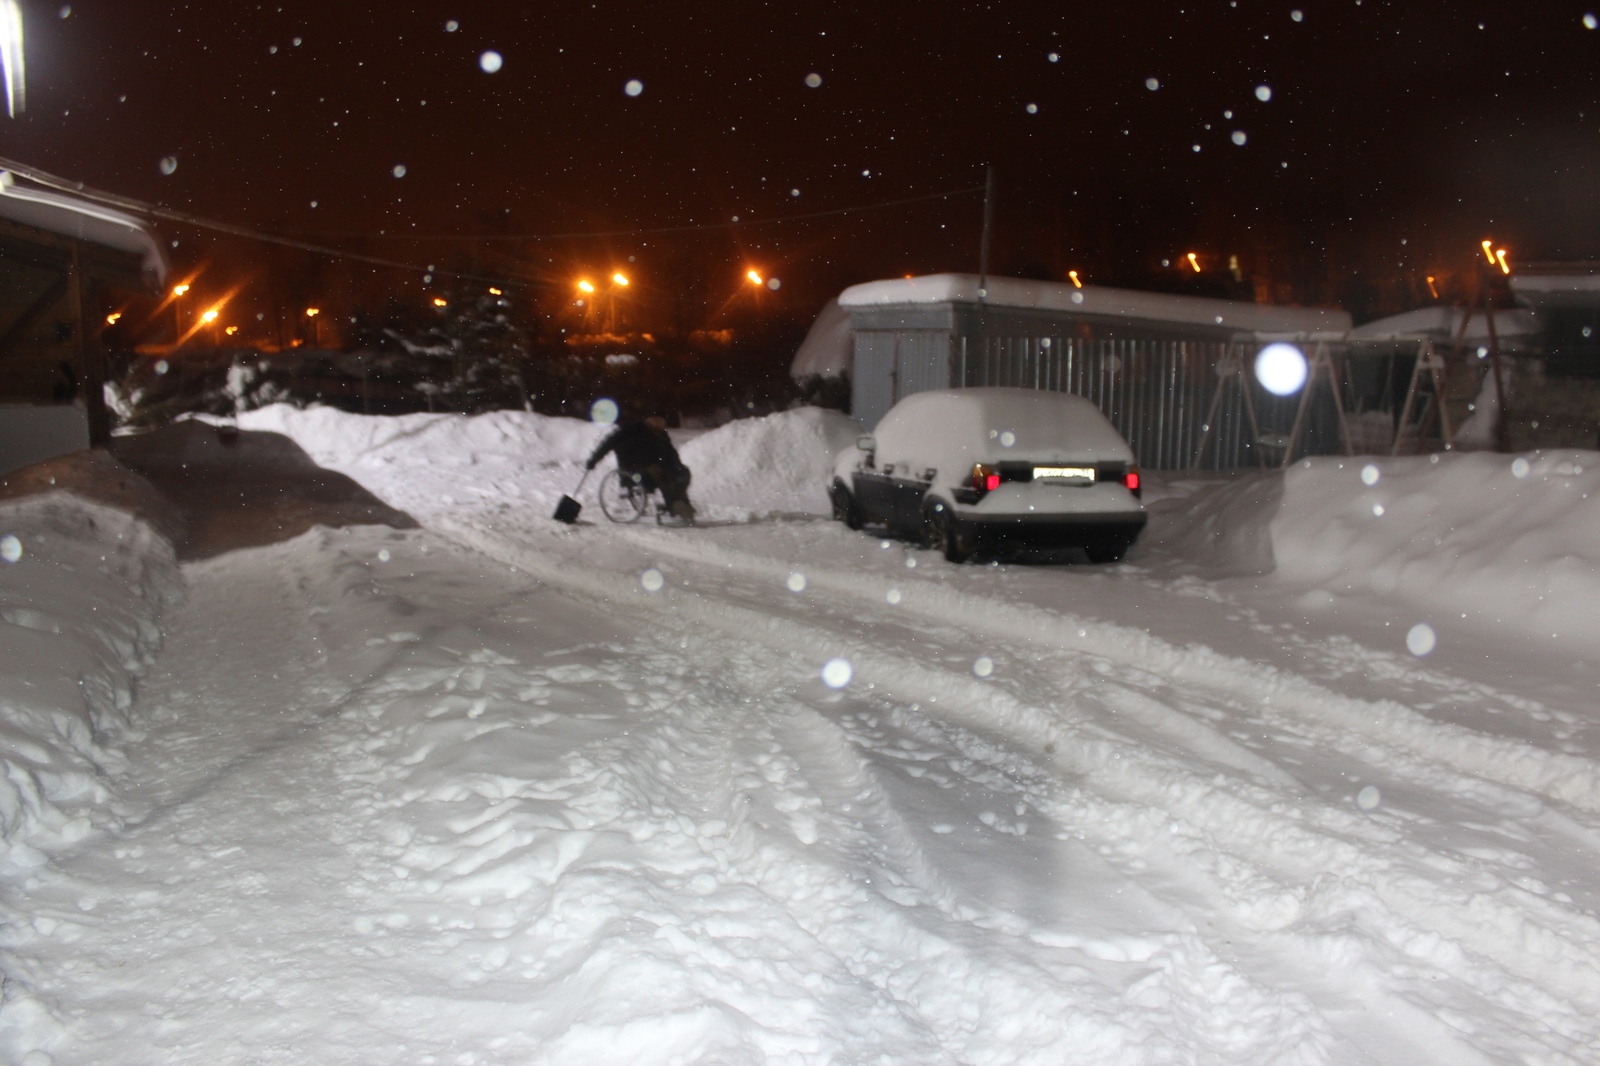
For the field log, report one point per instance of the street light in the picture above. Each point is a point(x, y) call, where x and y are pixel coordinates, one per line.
point(179, 290)
point(755, 278)
point(1193, 261)
point(1500, 257)
point(585, 286)
point(316, 327)
point(620, 278)
point(1073, 275)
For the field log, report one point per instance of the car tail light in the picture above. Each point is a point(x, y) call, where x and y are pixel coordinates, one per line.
point(985, 478)
point(1130, 480)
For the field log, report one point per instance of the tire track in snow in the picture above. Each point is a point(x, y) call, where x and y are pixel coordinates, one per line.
point(1542, 951)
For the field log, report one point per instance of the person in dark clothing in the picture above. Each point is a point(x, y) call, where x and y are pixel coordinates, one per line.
point(643, 448)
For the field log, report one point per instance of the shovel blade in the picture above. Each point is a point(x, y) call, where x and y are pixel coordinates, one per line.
point(567, 510)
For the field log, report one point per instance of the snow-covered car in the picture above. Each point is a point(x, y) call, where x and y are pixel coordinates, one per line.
point(994, 470)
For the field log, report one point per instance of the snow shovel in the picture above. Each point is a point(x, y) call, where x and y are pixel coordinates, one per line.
point(567, 510)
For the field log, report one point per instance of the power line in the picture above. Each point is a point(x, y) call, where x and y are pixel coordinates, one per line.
point(651, 231)
point(156, 211)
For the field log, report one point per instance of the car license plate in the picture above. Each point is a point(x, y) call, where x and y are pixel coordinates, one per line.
point(1063, 473)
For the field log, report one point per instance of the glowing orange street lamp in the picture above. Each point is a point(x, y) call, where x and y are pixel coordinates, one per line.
point(619, 279)
point(756, 279)
point(1500, 257)
point(1431, 288)
point(210, 316)
point(440, 301)
point(495, 292)
point(1193, 261)
point(179, 290)
point(585, 286)
point(113, 318)
point(1073, 274)
point(316, 327)
point(1488, 251)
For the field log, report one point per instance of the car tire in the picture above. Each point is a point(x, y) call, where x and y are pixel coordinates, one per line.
point(845, 508)
point(942, 534)
point(1110, 551)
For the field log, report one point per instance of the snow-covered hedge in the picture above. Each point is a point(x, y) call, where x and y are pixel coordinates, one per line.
point(82, 590)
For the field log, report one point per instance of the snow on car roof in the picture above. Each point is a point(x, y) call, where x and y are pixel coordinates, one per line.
point(950, 427)
point(1098, 300)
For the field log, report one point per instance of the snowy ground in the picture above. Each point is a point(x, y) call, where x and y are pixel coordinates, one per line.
point(503, 791)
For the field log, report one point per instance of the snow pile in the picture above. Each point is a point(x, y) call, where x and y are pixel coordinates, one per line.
point(1506, 541)
point(80, 605)
point(1486, 541)
point(776, 464)
point(782, 462)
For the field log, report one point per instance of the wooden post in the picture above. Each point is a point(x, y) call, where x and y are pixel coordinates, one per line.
point(91, 356)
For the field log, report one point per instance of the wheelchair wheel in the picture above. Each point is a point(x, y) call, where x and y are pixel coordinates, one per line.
point(622, 497)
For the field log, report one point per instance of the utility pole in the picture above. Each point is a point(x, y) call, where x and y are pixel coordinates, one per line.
point(988, 220)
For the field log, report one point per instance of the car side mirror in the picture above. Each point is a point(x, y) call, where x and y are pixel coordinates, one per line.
point(868, 448)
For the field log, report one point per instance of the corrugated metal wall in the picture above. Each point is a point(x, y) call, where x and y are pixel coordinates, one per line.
point(1158, 393)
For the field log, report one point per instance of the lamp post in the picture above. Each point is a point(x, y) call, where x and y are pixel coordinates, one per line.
point(316, 326)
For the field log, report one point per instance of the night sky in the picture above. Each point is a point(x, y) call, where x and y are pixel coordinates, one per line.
point(1396, 134)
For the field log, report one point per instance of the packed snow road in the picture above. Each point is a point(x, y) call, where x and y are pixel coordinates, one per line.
point(502, 791)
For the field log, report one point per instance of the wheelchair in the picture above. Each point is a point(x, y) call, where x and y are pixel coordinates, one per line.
point(627, 496)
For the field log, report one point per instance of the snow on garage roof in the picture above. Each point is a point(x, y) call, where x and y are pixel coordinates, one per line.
point(1445, 323)
point(82, 220)
point(1097, 300)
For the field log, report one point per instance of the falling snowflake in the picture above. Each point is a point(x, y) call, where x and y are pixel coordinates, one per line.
point(491, 62)
point(634, 87)
point(814, 80)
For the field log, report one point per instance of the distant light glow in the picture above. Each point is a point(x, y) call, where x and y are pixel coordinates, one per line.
point(495, 292)
point(11, 56)
point(755, 278)
point(1500, 257)
point(1488, 251)
point(1193, 261)
point(1431, 288)
point(619, 278)
point(440, 301)
point(584, 285)
point(1073, 275)
point(231, 330)
point(113, 318)
point(313, 312)
point(1281, 369)
point(210, 315)
point(179, 290)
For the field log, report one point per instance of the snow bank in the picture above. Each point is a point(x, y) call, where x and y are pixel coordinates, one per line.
point(1506, 541)
point(780, 463)
point(80, 605)
point(776, 464)
point(1493, 541)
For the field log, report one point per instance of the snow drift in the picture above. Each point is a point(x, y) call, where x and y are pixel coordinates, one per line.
point(81, 606)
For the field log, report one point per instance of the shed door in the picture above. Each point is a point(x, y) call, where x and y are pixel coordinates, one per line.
point(872, 385)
